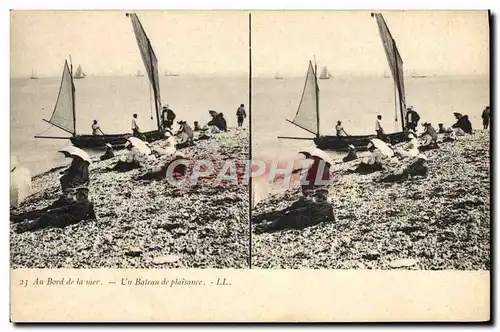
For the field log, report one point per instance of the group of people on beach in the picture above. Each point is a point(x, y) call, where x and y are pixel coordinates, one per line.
point(74, 204)
point(396, 164)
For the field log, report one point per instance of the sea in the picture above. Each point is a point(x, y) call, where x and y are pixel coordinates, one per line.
point(112, 100)
point(356, 101)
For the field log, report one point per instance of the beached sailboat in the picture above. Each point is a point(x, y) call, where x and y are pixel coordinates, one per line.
point(278, 76)
point(33, 75)
point(151, 65)
point(308, 115)
point(64, 118)
point(64, 115)
point(79, 73)
point(325, 75)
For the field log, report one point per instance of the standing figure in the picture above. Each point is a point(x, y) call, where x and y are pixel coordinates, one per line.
point(96, 130)
point(340, 130)
point(486, 117)
point(135, 126)
point(168, 117)
point(379, 129)
point(241, 114)
point(412, 119)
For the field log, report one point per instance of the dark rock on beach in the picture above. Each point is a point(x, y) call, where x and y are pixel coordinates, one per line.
point(139, 223)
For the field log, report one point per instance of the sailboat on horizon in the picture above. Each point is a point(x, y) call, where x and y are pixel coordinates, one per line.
point(307, 116)
point(169, 73)
point(33, 75)
point(325, 75)
point(79, 73)
point(278, 76)
point(139, 73)
point(415, 75)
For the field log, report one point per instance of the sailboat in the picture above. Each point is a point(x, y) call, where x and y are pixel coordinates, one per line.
point(325, 75)
point(308, 115)
point(387, 74)
point(79, 73)
point(64, 118)
point(169, 73)
point(278, 76)
point(64, 115)
point(415, 75)
point(33, 75)
point(151, 65)
point(139, 74)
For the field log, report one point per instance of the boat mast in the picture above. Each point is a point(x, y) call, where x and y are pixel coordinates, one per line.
point(154, 85)
point(317, 94)
point(72, 94)
point(395, 51)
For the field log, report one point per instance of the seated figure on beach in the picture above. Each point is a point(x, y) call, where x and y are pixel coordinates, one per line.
point(312, 208)
point(67, 197)
point(168, 146)
point(108, 154)
point(411, 167)
point(376, 161)
point(410, 149)
point(196, 126)
point(463, 123)
point(160, 173)
point(132, 160)
point(218, 121)
point(75, 211)
point(351, 154)
point(76, 175)
point(442, 129)
point(185, 135)
point(205, 133)
point(310, 211)
point(430, 137)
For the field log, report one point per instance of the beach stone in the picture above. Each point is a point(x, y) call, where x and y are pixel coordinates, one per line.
point(134, 252)
point(372, 255)
point(427, 254)
point(406, 262)
point(159, 260)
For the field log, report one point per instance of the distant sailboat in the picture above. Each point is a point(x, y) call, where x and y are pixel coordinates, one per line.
point(79, 73)
point(387, 74)
point(415, 75)
point(139, 74)
point(169, 73)
point(278, 76)
point(325, 75)
point(33, 75)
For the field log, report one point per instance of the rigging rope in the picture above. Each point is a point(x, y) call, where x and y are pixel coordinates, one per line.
point(151, 100)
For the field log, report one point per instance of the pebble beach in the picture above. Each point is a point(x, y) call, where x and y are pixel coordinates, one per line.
point(146, 224)
point(440, 222)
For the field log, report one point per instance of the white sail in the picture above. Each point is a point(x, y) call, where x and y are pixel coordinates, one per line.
point(324, 74)
point(33, 75)
point(278, 76)
point(307, 116)
point(63, 115)
point(79, 72)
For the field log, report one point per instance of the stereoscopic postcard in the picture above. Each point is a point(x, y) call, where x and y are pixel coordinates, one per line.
point(250, 166)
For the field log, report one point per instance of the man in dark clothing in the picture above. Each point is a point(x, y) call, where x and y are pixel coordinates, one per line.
point(241, 114)
point(486, 117)
point(463, 123)
point(168, 117)
point(416, 166)
point(78, 210)
point(222, 121)
point(412, 119)
point(76, 175)
point(218, 121)
point(351, 154)
point(442, 129)
point(196, 126)
point(108, 154)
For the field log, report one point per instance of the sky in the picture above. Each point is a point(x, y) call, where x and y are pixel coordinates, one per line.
point(430, 42)
point(103, 42)
point(208, 42)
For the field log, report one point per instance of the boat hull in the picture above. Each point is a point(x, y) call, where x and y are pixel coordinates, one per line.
point(116, 140)
point(340, 143)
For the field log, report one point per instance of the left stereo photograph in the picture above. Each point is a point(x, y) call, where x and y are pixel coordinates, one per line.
point(129, 139)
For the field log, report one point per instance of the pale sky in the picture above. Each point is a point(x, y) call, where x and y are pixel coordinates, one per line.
point(430, 42)
point(205, 42)
point(103, 42)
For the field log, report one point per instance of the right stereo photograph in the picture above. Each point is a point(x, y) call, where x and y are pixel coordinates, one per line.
point(374, 128)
